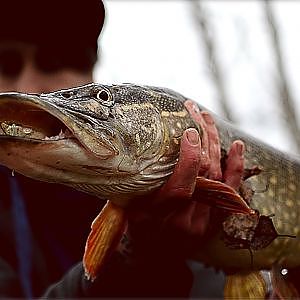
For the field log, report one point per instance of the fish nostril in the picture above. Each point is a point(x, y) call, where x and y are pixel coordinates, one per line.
point(67, 95)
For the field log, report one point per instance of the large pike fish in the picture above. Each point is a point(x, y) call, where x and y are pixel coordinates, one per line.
point(121, 141)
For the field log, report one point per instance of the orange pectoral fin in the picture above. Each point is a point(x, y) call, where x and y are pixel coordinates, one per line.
point(107, 230)
point(221, 195)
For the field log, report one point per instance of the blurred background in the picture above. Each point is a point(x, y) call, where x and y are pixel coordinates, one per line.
point(240, 59)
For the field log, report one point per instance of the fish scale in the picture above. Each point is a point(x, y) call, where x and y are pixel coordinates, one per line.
point(126, 144)
point(276, 193)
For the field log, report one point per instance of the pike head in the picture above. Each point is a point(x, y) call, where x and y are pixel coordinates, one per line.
point(104, 140)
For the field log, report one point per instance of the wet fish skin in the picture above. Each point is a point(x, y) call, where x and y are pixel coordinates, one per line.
point(126, 143)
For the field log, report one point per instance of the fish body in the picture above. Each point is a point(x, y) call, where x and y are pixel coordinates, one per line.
point(121, 141)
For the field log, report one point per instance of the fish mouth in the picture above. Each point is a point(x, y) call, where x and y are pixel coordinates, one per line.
point(23, 120)
point(27, 118)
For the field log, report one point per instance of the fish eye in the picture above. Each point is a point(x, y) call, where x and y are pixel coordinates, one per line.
point(103, 95)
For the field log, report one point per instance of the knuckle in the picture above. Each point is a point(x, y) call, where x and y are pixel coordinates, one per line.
point(205, 164)
point(215, 175)
point(239, 168)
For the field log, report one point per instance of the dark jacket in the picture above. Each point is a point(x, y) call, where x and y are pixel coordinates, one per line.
point(43, 229)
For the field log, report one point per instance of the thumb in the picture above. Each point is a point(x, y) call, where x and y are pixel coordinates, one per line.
point(182, 182)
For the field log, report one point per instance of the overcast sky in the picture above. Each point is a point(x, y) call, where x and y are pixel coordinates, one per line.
point(157, 43)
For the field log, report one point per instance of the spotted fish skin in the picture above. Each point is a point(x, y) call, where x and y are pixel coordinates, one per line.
point(125, 142)
point(276, 194)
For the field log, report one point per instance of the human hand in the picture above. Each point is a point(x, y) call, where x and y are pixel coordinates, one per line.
point(168, 223)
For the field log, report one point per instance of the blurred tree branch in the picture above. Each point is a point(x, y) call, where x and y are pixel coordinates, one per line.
point(285, 97)
point(204, 27)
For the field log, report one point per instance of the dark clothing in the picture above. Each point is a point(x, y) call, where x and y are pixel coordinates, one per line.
point(145, 280)
point(43, 229)
point(58, 220)
point(61, 25)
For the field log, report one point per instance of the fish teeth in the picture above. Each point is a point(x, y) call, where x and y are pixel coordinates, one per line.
point(60, 136)
point(16, 130)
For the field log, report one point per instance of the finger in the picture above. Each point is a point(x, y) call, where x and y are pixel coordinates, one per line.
point(200, 219)
point(181, 185)
point(195, 113)
point(191, 219)
point(189, 224)
point(182, 181)
point(181, 220)
point(234, 171)
point(214, 149)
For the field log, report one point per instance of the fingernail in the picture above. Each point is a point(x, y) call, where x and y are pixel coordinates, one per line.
point(240, 148)
point(191, 105)
point(192, 136)
point(196, 108)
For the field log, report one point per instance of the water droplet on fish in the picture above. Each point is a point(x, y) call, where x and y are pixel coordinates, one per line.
point(284, 272)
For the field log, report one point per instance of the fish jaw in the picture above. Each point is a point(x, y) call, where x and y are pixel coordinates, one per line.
point(42, 115)
point(45, 138)
point(40, 141)
point(51, 161)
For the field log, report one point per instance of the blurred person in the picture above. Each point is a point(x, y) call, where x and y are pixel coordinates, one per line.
point(50, 45)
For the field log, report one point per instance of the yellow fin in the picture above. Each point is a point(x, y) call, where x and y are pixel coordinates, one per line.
point(245, 285)
point(221, 195)
point(107, 230)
